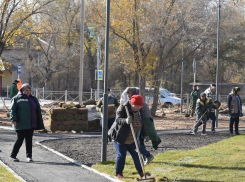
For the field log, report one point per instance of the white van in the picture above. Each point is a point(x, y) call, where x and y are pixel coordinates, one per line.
point(164, 98)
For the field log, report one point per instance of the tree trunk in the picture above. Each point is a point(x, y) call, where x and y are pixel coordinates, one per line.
point(157, 81)
point(2, 44)
point(142, 81)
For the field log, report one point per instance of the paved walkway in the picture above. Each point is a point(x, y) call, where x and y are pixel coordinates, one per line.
point(49, 165)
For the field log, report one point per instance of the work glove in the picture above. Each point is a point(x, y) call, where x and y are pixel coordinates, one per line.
point(146, 138)
point(129, 120)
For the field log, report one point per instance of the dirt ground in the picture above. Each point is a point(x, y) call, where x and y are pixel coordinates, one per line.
point(171, 120)
point(88, 150)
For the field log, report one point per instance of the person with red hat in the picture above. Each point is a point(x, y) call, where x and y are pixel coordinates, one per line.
point(148, 131)
point(122, 136)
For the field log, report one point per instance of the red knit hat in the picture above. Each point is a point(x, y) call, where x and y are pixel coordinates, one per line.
point(137, 100)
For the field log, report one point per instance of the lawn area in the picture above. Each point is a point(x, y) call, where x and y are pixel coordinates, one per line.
point(223, 161)
point(7, 176)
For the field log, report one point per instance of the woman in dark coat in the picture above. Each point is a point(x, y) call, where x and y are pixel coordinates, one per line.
point(121, 134)
point(25, 114)
point(235, 109)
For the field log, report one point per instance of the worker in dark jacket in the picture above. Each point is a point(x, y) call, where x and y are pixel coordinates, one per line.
point(25, 114)
point(13, 89)
point(235, 109)
point(195, 94)
point(111, 100)
point(122, 136)
point(203, 107)
point(210, 95)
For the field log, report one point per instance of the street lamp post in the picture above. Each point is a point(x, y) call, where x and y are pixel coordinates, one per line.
point(81, 54)
point(217, 66)
point(105, 95)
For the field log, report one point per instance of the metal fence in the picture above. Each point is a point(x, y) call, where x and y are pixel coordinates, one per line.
point(73, 96)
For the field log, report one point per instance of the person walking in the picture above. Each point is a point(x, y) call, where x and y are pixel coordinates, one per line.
point(211, 115)
point(111, 100)
point(25, 114)
point(195, 94)
point(235, 109)
point(122, 136)
point(148, 131)
point(203, 107)
point(19, 84)
point(13, 89)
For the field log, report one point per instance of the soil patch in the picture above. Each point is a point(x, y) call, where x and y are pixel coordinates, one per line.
point(87, 150)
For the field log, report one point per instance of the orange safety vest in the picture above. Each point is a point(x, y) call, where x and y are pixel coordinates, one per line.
point(19, 85)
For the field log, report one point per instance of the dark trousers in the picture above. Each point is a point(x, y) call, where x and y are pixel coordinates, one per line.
point(232, 121)
point(110, 122)
point(121, 150)
point(212, 117)
point(200, 122)
point(143, 150)
point(21, 135)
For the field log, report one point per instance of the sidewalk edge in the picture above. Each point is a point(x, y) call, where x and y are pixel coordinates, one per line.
point(11, 171)
point(77, 163)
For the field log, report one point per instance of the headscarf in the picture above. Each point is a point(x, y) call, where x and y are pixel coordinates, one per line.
point(25, 86)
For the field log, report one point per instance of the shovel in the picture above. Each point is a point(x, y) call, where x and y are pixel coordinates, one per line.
point(198, 121)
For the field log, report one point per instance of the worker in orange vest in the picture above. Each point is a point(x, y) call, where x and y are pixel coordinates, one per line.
point(19, 84)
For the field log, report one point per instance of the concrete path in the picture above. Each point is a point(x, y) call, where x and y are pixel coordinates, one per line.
point(47, 165)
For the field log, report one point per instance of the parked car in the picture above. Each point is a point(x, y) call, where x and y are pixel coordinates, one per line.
point(164, 91)
point(164, 98)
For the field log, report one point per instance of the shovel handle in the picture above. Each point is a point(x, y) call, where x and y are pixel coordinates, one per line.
point(202, 116)
point(135, 141)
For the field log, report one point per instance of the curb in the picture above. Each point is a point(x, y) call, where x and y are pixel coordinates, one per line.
point(77, 163)
point(11, 171)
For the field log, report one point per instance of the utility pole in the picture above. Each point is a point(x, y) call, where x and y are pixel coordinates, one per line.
point(182, 75)
point(81, 54)
point(105, 96)
point(98, 68)
point(217, 66)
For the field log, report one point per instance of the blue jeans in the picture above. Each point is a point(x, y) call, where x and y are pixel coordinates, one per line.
point(143, 150)
point(121, 150)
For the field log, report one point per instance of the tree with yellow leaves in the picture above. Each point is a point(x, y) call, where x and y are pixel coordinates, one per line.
point(14, 14)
